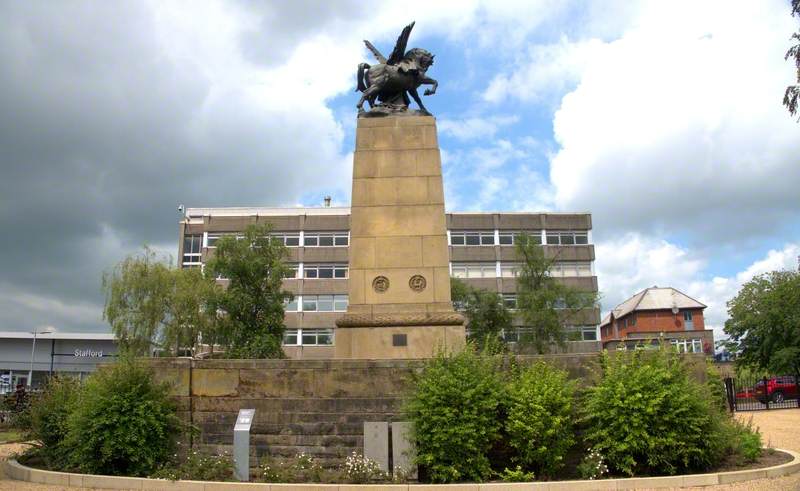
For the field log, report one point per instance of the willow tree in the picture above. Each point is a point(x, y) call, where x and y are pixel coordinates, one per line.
point(152, 305)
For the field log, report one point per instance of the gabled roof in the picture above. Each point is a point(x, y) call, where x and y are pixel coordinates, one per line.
point(653, 298)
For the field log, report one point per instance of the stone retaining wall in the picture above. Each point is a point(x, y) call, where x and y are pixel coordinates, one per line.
point(312, 406)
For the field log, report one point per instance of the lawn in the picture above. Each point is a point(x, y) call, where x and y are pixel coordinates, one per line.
point(10, 436)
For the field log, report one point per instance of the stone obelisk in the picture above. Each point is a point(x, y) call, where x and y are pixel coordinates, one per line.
point(399, 287)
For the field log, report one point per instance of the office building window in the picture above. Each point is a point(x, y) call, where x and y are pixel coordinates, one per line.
point(291, 305)
point(289, 239)
point(326, 239)
point(213, 238)
point(563, 269)
point(687, 345)
point(474, 270)
point(510, 301)
point(324, 303)
point(510, 238)
point(325, 271)
point(509, 270)
point(582, 333)
point(291, 271)
point(308, 337)
point(460, 238)
point(192, 247)
point(567, 238)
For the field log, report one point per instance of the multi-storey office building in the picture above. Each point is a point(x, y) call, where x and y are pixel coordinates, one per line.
point(482, 253)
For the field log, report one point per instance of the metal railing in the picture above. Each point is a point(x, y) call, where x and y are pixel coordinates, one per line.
point(764, 393)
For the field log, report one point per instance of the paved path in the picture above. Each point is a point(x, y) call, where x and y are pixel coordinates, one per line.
point(780, 428)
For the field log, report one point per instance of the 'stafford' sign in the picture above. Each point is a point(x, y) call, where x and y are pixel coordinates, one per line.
point(88, 353)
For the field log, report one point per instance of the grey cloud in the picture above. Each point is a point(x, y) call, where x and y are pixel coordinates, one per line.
point(102, 135)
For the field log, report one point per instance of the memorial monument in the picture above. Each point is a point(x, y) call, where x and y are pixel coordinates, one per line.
point(399, 286)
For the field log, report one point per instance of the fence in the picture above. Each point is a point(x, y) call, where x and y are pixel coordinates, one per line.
point(761, 394)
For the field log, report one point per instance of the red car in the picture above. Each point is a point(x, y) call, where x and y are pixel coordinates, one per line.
point(778, 389)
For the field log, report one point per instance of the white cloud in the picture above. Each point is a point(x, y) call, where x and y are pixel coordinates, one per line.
point(546, 71)
point(475, 128)
point(678, 124)
point(633, 262)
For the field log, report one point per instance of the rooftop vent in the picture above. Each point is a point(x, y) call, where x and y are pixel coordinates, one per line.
point(327, 201)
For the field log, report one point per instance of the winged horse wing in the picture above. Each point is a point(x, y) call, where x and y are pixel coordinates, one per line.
point(400, 47)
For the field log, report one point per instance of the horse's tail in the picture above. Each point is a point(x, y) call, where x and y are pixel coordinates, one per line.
point(361, 85)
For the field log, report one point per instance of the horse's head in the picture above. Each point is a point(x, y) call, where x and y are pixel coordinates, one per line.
point(422, 57)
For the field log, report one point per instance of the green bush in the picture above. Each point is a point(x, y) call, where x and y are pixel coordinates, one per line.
point(647, 416)
point(124, 424)
point(716, 387)
point(742, 441)
point(454, 415)
point(48, 415)
point(540, 415)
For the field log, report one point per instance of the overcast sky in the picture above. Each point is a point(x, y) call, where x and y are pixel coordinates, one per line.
point(663, 119)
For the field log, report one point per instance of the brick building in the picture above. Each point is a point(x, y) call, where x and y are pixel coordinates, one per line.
point(656, 314)
point(480, 247)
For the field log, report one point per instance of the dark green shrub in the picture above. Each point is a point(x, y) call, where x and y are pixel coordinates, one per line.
point(454, 415)
point(48, 415)
point(646, 416)
point(540, 415)
point(124, 424)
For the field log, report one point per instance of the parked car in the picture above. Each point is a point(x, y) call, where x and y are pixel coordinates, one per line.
point(746, 393)
point(777, 389)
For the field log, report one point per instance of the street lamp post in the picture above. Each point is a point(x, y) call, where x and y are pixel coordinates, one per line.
point(46, 330)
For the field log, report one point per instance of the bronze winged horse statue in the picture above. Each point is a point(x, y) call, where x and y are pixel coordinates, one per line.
point(392, 80)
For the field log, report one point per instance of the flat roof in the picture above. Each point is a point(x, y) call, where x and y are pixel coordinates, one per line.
point(96, 336)
point(337, 210)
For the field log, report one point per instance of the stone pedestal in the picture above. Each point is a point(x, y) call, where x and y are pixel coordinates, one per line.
point(399, 287)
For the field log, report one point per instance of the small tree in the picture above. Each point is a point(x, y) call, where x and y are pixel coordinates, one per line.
point(539, 297)
point(487, 315)
point(792, 94)
point(254, 299)
point(764, 322)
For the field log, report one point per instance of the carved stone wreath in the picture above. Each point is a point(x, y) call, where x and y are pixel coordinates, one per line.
point(380, 284)
point(417, 283)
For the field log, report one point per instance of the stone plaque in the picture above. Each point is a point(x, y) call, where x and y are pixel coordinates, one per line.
point(417, 283)
point(380, 284)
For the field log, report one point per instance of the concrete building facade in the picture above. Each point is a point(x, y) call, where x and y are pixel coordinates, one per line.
point(480, 245)
point(69, 353)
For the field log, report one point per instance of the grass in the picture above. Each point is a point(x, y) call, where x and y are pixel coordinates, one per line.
point(9, 436)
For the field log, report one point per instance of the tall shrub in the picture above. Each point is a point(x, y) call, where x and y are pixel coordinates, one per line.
point(540, 415)
point(48, 417)
point(124, 424)
point(647, 416)
point(454, 415)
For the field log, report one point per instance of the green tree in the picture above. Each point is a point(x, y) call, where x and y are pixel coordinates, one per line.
point(792, 94)
point(151, 304)
point(764, 322)
point(253, 302)
point(137, 304)
point(487, 315)
point(193, 309)
point(545, 304)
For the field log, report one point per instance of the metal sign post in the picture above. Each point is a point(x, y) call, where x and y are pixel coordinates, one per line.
point(241, 444)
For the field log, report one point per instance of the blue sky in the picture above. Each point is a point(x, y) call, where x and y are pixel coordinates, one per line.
point(662, 119)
